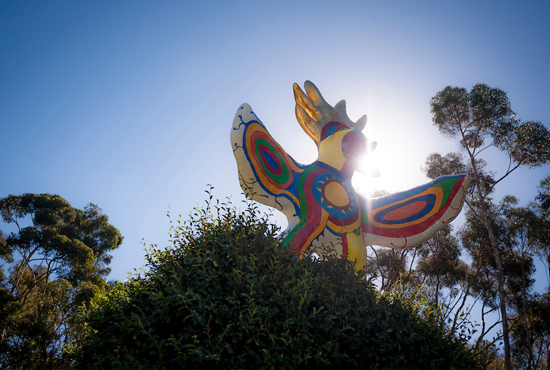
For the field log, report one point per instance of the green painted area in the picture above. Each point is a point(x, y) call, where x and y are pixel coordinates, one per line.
point(303, 203)
point(364, 219)
point(291, 234)
point(447, 187)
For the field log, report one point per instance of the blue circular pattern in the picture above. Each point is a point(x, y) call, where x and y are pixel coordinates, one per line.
point(340, 213)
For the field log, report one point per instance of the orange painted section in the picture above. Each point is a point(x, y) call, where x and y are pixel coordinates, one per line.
point(404, 212)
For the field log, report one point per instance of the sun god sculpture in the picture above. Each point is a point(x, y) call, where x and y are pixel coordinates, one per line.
point(319, 200)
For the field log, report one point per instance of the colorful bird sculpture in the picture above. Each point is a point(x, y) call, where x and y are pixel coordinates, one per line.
point(319, 200)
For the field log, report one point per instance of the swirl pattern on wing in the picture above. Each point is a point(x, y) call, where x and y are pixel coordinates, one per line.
point(271, 164)
point(263, 162)
point(410, 212)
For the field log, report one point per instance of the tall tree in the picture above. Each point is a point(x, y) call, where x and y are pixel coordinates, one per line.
point(480, 119)
point(541, 223)
point(531, 334)
point(531, 331)
point(57, 258)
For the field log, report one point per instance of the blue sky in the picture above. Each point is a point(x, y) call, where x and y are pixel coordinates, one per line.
point(129, 104)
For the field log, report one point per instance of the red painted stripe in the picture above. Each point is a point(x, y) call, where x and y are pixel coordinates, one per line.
point(415, 229)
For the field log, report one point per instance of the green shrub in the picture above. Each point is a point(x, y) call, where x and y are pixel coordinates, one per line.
point(228, 294)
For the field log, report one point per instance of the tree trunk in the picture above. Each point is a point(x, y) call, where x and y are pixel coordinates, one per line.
point(500, 274)
point(525, 314)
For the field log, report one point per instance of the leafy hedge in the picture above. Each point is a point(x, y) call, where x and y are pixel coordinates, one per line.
point(227, 294)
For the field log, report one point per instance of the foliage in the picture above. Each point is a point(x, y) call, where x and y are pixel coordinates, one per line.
point(54, 262)
point(484, 114)
point(228, 294)
point(544, 194)
point(540, 223)
point(500, 239)
point(435, 273)
point(531, 333)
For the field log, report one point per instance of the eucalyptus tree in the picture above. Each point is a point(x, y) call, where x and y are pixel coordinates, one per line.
point(387, 267)
point(530, 332)
point(478, 120)
point(445, 276)
point(55, 260)
point(541, 224)
point(527, 333)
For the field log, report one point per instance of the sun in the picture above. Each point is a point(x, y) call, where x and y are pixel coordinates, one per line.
point(374, 175)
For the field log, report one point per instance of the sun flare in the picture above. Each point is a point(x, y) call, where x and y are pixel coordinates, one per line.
point(373, 175)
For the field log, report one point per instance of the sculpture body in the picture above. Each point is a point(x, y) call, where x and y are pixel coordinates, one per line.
point(319, 200)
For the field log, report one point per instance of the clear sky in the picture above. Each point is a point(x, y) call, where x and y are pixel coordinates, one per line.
point(129, 104)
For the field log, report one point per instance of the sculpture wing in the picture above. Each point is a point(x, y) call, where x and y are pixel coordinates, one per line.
point(409, 218)
point(267, 174)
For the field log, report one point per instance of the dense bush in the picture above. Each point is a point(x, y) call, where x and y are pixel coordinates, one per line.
point(227, 294)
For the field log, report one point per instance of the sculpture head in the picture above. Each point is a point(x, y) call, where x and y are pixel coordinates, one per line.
point(339, 140)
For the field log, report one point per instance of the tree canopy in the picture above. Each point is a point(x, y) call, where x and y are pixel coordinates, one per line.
point(500, 239)
point(55, 260)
